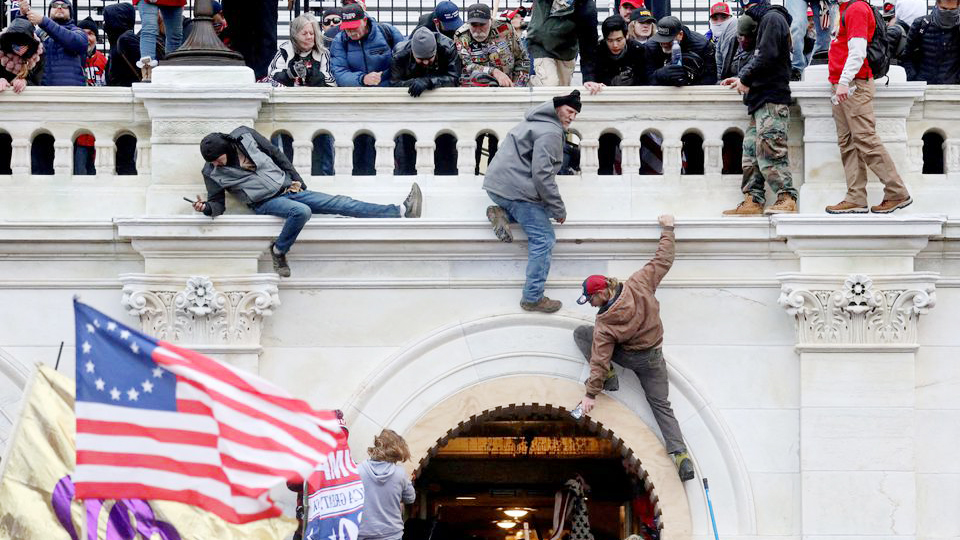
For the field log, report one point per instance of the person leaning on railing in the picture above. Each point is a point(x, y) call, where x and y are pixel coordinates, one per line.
point(304, 60)
point(363, 50)
point(21, 56)
point(558, 30)
point(491, 54)
point(426, 61)
point(65, 46)
point(620, 61)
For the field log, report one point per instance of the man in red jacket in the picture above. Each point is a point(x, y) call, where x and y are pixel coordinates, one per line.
point(629, 331)
point(853, 89)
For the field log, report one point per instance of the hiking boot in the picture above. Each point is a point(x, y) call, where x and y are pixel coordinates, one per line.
point(887, 206)
point(146, 65)
point(785, 204)
point(544, 305)
point(501, 225)
point(611, 383)
point(280, 265)
point(413, 204)
point(684, 466)
point(746, 208)
point(846, 208)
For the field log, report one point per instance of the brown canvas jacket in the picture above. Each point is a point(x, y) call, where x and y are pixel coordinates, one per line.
point(633, 320)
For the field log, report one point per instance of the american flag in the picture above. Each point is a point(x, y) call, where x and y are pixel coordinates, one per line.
point(155, 421)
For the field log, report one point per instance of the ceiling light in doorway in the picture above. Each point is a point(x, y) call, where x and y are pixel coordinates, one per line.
point(466, 498)
point(506, 524)
point(516, 513)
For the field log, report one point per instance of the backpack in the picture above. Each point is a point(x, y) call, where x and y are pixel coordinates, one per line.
point(878, 49)
point(387, 34)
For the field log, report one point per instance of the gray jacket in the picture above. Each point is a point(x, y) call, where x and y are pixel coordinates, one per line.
point(274, 173)
point(385, 487)
point(727, 46)
point(526, 163)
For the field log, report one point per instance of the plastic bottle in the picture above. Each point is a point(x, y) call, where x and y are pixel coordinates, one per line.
point(676, 55)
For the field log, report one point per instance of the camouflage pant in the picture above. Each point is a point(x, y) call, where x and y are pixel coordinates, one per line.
point(765, 152)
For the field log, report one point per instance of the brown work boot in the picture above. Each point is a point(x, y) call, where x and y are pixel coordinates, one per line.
point(544, 305)
point(888, 206)
point(845, 207)
point(501, 224)
point(746, 208)
point(785, 204)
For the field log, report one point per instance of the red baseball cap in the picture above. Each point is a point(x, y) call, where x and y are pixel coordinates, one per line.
point(352, 16)
point(720, 7)
point(591, 286)
point(634, 3)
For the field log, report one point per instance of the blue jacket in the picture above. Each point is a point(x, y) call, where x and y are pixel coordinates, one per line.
point(351, 60)
point(64, 51)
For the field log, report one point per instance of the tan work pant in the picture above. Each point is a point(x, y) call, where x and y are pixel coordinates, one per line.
point(552, 72)
point(860, 147)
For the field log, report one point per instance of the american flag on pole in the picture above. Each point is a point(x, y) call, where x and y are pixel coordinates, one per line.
point(155, 421)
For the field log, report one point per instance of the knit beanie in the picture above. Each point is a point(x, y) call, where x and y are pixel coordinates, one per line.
point(89, 24)
point(423, 44)
point(572, 99)
point(215, 145)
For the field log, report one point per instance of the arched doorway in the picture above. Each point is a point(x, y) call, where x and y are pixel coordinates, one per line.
point(496, 476)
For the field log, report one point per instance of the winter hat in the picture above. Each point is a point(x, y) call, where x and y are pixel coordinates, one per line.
point(591, 286)
point(423, 44)
point(746, 25)
point(18, 33)
point(67, 2)
point(217, 7)
point(89, 24)
point(572, 99)
point(215, 145)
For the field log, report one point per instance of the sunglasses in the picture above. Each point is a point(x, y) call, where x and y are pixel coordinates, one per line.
point(58, 5)
point(332, 20)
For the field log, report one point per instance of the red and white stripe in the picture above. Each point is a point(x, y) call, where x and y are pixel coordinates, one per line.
point(233, 438)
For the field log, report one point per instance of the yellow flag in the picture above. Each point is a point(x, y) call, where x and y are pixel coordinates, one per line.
point(36, 492)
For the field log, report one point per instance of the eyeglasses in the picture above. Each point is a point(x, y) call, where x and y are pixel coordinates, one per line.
point(332, 20)
point(58, 5)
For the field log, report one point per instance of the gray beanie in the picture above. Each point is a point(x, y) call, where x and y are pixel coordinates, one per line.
point(423, 43)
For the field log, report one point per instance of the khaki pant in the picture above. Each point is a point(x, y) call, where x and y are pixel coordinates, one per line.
point(552, 72)
point(860, 147)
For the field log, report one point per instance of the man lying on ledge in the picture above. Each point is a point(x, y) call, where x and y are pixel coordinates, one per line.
point(247, 165)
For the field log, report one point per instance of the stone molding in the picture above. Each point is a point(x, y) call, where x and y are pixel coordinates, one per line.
point(199, 312)
point(858, 311)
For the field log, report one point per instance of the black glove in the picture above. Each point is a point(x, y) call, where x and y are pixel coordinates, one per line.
point(417, 87)
point(672, 75)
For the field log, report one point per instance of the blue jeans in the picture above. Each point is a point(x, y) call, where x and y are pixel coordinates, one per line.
point(322, 158)
point(798, 29)
point(297, 208)
point(534, 220)
point(84, 160)
point(173, 26)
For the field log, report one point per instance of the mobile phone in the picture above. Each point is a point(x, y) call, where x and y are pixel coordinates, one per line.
point(188, 200)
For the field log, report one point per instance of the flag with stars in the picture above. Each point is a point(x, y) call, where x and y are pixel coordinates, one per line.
point(155, 421)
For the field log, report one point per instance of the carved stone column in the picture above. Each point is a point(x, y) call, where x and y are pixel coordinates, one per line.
point(343, 157)
point(589, 159)
point(713, 156)
point(425, 165)
point(857, 302)
point(672, 157)
point(20, 157)
point(63, 157)
point(106, 160)
point(466, 157)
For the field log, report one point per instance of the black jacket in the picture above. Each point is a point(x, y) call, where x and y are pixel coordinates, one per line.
point(767, 73)
point(699, 61)
point(118, 21)
point(445, 70)
point(932, 53)
point(21, 31)
point(562, 33)
point(629, 69)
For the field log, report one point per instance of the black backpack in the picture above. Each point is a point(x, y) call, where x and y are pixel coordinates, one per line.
point(878, 49)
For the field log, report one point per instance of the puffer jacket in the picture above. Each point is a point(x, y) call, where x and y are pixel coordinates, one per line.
point(167, 3)
point(633, 320)
point(561, 28)
point(932, 53)
point(699, 60)
point(527, 161)
point(21, 31)
point(65, 49)
point(445, 70)
point(351, 59)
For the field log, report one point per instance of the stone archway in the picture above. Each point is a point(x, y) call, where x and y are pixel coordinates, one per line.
point(465, 368)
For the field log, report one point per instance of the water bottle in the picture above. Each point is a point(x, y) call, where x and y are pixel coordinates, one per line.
point(676, 56)
point(578, 412)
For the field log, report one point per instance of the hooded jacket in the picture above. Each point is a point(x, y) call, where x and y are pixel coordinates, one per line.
point(21, 31)
point(561, 28)
point(118, 21)
point(65, 49)
point(633, 320)
point(767, 73)
point(274, 173)
point(445, 70)
point(628, 69)
point(352, 59)
point(385, 487)
point(699, 59)
point(932, 53)
point(527, 161)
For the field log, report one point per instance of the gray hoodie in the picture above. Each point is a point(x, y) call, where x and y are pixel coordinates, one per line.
point(385, 487)
point(527, 161)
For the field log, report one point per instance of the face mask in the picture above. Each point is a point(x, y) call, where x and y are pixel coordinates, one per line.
point(718, 28)
point(950, 16)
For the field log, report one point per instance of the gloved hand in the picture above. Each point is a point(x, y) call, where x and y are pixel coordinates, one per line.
point(418, 87)
point(672, 74)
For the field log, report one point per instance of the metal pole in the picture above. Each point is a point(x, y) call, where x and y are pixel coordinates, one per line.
point(57, 365)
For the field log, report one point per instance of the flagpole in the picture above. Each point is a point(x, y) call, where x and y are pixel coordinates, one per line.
point(306, 506)
point(15, 432)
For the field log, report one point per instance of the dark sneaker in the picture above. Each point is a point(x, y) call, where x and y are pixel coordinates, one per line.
point(544, 305)
point(501, 224)
point(413, 204)
point(280, 265)
point(844, 207)
point(886, 206)
point(684, 466)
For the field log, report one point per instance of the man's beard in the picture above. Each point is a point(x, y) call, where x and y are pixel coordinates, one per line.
point(480, 35)
point(60, 18)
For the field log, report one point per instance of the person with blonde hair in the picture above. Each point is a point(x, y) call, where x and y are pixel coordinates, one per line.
point(629, 332)
point(304, 60)
point(386, 488)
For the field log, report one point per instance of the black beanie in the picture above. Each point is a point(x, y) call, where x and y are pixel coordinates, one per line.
point(215, 145)
point(572, 99)
point(89, 24)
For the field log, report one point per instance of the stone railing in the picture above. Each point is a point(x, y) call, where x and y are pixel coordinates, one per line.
point(698, 128)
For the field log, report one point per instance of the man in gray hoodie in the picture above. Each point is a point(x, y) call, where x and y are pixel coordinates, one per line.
point(521, 180)
point(386, 488)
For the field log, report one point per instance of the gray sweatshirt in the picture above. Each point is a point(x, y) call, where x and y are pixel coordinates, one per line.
point(527, 161)
point(385, 487)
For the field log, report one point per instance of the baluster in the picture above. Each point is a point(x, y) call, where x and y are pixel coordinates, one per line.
point(302, 156)
point(589, 158)
point(343, 156)
point(951, 156)
point(672, 157)
point(20, 156)
point(105, 162)
point(62, 156)
point(384, 162)
point(425, 150)
point(712, 156)
point(915, 155)
point(630, 156)
point(144, 157)
point(466, 157)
